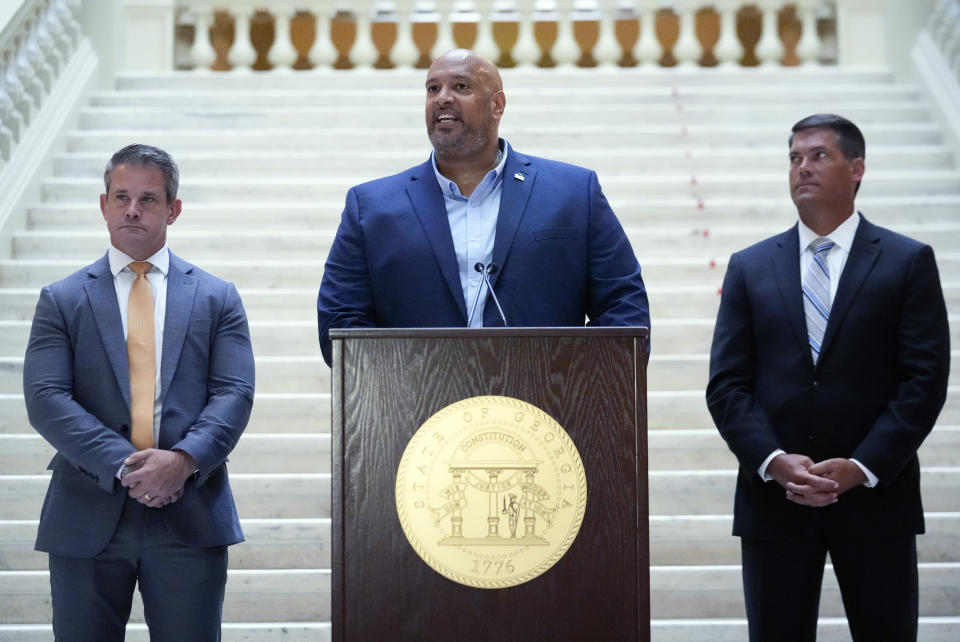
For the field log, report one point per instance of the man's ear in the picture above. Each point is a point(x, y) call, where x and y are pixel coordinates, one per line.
point(175, 208)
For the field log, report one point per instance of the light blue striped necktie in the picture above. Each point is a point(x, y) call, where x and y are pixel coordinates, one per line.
point(816, 294)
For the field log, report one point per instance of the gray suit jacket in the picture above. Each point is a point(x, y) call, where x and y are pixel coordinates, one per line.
point(77, 390)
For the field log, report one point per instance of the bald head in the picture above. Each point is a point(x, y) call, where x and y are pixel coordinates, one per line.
point(465, 102)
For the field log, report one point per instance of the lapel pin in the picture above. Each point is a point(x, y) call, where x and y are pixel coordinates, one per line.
point(518, 177)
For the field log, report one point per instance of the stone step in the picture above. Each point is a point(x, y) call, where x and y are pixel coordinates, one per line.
point(263, 496)
point(776, 214)
point(682, 540)
point(310, 412)
point(305, 543)
point(829, 629)
point(534, 79)
point(833, 629)
point(691, 540)
point(407, 111)
point(281, 189)
point(284, 274)
point(283, 412)
point(305, 162)
point(377, 97)
point(28, 453)
point(281, 275)
point(528, 138)
point(716, 591)
point(304, 595)
point(270, 595)
point(230, 631)
point(302, 374)
point(648, 243)
point(259, 496)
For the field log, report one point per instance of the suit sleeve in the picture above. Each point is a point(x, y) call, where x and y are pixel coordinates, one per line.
point(617, 295)
point(345, 299)
point(48, 387)
point(923, 367)
point(730, 391)
point(230, 386)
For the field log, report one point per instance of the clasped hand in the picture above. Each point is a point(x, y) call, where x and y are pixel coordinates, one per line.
point(156, 477)
point(814, 484)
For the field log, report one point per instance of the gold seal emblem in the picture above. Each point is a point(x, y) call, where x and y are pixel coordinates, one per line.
point(491, 492)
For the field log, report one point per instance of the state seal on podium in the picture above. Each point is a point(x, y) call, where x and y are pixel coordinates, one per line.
point(491, 492)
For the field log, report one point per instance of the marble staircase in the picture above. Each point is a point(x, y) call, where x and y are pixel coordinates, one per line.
point(694, 163)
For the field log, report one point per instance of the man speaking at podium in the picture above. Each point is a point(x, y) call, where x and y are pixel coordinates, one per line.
point(828, 368)
point(427, 247)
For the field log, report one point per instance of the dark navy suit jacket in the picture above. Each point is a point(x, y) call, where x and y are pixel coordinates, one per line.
point(77, 388)
point(873, 396)
point(562, 255)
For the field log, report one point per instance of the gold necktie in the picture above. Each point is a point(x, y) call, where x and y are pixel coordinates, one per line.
point(141, 355)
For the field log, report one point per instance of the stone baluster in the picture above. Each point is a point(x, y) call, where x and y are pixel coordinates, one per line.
point(363, 53)
point(505, 26)
point(729, 49)
point(242, 55)
point(565, 51)
point(626, 29)
point(586, 30)
point(33, 86)
point(526, 52)
point(649, 50)
point(58, 34)
point(808, 48)
point(322, 53)
point(383, 31)
point(486, 44)
point(69, 12)
point(545, 21)
point(282, 54)
point(404, 51)
point(43, 74)
point(687, 49)
point(22, 100)
point(11, 122)
point(607, 51)
point(202, 53)
point(770, 49)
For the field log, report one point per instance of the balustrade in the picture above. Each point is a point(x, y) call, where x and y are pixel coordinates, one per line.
point(944, 29)
point(35, 46)
point(543, 33)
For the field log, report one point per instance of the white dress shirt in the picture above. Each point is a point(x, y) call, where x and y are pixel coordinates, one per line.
point(473, 224)
point(842, 238)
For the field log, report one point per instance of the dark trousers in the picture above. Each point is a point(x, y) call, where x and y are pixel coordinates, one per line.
point(182, 587)
point(877, 576)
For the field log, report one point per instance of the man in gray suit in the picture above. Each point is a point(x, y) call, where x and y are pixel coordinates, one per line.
point(140, 373)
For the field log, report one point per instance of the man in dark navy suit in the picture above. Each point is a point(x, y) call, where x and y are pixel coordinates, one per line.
point(829, 366)
point(408, 245)
point(139, 372)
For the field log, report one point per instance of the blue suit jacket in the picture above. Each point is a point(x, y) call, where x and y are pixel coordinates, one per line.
point(562, 254)
point(873, 396)
point(77, 389)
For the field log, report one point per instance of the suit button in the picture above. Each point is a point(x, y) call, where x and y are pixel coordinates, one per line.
point(816, 384)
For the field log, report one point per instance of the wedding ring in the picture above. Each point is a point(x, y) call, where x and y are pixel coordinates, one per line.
point(147, 497)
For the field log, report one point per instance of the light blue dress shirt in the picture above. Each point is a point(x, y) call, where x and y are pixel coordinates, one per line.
point(473, 225)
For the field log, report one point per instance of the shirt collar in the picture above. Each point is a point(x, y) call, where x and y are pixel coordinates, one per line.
point(120, 260)
point(450, 189)
point(842, 236)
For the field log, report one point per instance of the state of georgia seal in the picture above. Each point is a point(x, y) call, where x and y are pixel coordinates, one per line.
point(491, 492)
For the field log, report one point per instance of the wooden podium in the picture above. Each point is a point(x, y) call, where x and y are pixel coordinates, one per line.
point(387, 383)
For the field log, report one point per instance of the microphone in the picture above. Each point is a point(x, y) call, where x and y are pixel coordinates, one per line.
point(485, 271)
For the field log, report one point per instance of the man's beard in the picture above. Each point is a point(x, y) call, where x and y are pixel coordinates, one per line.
point(470, 141)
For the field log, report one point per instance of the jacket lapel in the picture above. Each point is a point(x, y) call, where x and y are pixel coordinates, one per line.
point(863, 255)
point(518, 180)
point(786, 270)
point(181, 290)
point(102, 296)
point(427, 201)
